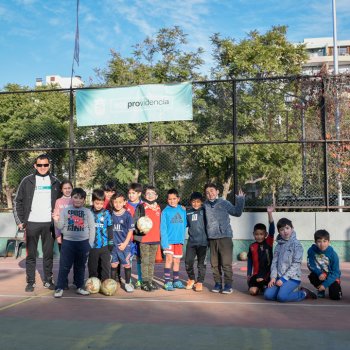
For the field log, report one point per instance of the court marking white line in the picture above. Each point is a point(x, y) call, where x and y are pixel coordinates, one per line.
point(112, 299)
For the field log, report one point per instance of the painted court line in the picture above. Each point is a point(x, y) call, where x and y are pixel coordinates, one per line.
point(22, 301)
point(111, 299)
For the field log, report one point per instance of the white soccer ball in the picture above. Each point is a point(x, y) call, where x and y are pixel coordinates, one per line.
point(93, 285)
point(144, 224)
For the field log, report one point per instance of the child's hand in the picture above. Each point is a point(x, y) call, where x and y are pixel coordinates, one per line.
point(322, 276)
point(321, 288)
point(241, 193)
point(55, 217)
point(279, 283)
point(272, 282)
point(122, 246)
point(270, 209)
point(59, 239)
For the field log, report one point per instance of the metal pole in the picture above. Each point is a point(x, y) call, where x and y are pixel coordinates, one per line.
point(325, 147)
point(234, 134)
point(150, 156)
point(337, 112)
point(303, 145)
point(335, 45)
point(71, 138)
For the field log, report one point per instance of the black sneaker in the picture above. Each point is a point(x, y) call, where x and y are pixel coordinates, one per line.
point(146, 286)
point(49, 285)
point(30, 287)
point(309, 294)
point(321, 295)
point(154, 285)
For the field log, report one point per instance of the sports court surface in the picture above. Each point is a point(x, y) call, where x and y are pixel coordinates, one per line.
point(166, 320)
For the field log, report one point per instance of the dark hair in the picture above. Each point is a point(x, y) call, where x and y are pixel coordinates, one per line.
point(210, 184)
point(150, 187)
point(79, 191)
point(110, 186)
point(260, 226)
point(41, 157)
point(173, 191)
point(135, 186)
point(64, 182)
point(115, 196)
point(321, 234)
point(196, 195)
point(284, 222)
point(98, 194)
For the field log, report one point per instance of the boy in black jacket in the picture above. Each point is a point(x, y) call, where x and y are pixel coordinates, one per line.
point(260, 256)
point(197, 242)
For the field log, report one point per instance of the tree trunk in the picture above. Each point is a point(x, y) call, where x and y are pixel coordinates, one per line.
point(8, 191)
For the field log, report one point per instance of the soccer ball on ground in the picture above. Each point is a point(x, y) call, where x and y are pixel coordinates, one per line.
point(243, 256)
point(144, 224)
point(109, 287)
point(93, 285)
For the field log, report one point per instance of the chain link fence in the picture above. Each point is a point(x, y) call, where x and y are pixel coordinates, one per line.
point(283, 140)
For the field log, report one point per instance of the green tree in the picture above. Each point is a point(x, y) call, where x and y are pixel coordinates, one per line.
point(261, 109)
point(163, 58)
point(30, 120)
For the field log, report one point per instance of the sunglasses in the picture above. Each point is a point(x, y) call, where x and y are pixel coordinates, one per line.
point(42, 165)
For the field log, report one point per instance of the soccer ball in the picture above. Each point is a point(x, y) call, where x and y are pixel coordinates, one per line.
point(243, 256)
point(144, 224)
point(93, 285)
point(109, 287)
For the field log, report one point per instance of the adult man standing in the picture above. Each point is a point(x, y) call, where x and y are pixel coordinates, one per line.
point(33, 206)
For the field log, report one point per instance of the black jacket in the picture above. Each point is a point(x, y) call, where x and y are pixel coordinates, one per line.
point(196, 222)
point(22, 204)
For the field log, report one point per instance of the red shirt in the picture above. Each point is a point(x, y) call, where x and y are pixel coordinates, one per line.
point(153, 212)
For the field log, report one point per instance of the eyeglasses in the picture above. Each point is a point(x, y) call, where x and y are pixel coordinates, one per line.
point(150, 194)
point(42, 165)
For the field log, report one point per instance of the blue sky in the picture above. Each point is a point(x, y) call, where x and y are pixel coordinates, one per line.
point(37, 36)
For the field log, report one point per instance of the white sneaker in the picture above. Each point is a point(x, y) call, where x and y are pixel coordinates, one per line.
point(129, 287)
point(82, 291)
point(58, 293)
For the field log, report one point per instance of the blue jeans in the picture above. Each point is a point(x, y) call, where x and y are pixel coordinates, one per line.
point(73, 252)
point(285, 293)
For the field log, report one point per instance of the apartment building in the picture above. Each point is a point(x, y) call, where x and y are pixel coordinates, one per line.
point(321, 55)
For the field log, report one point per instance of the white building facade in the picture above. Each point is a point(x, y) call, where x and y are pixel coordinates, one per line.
point(320, 52)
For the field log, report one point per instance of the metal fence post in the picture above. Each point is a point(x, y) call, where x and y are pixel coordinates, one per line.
point(150, 156)
point(71, 138)
point(325, 146)
point(234, 135)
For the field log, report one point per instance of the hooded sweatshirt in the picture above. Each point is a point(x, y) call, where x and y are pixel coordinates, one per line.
point(326, 261)
point(287, 258)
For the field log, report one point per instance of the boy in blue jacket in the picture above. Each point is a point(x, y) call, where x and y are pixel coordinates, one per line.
point(172, 231)
point(323, 262)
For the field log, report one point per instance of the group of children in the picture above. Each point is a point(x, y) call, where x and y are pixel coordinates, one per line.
point(277, 273)
point(107, 237)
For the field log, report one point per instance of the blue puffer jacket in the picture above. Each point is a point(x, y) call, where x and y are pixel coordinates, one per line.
point(325, 261)
point(218, 216)
point(287, 258)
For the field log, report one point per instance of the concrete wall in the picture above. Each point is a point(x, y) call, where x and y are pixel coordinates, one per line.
point(305, 224)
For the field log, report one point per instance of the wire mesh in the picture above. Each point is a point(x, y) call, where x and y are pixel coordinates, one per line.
point(284, 140)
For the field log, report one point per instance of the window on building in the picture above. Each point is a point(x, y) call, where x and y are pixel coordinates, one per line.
point(316, 52)
point(343, 51)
